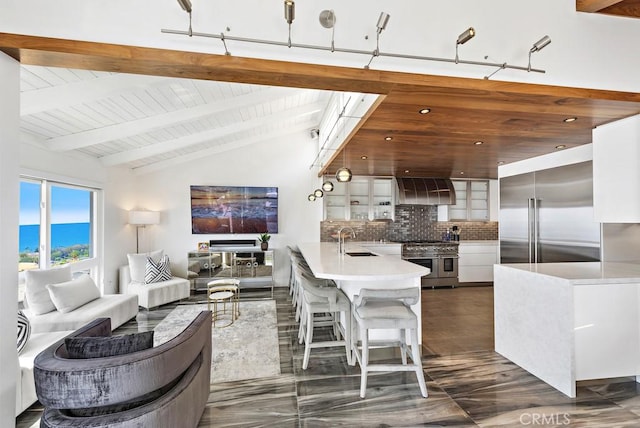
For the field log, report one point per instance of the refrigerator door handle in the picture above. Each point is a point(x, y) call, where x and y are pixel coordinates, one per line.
point(536, 230)
point(531, 220)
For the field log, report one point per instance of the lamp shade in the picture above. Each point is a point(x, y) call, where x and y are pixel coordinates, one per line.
point(144, 217)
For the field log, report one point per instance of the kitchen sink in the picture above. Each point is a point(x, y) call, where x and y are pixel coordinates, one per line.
point(360, 254)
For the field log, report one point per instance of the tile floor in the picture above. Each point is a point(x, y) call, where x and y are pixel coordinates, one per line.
point(469, 384)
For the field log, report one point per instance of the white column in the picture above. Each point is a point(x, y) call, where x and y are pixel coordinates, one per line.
point(9, 203)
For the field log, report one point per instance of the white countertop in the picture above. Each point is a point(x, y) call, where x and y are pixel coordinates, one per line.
point(585, 272)
point(325, 262)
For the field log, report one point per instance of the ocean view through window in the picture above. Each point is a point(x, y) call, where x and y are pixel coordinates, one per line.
point(55, 224)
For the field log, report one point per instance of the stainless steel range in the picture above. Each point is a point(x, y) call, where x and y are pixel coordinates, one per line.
point(440, 257)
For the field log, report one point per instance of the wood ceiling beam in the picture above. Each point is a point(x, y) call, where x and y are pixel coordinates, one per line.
point(594, 5)
point(85, 55)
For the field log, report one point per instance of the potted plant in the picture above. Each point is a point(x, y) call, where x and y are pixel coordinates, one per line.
point(264, 241)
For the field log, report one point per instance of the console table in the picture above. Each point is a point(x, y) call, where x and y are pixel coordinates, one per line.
point(253, 267)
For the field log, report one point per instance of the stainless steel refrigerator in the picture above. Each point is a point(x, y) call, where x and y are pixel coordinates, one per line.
point(547, 216)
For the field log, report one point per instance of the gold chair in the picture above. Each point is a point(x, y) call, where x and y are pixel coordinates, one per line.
point(224, 291)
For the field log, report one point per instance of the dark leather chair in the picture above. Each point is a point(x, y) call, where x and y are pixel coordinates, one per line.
point(163, 386)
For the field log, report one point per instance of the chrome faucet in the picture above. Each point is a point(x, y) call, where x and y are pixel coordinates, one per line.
point(341, 243)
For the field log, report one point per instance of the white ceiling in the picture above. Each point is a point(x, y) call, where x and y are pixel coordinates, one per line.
point(146, 123)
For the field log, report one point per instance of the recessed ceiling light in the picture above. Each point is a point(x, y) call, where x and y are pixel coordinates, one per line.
point(406, 171)
point(561, 146)
point(363, 157)
point(500, 162)
point(461, 172)
point(424, 110)
point(388, 138)
point(570, 119)
point(477, 143)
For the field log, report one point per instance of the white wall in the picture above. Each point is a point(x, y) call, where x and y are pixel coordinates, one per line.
point(282, 163)
point(9, 202)
point(587, 50)
point(578, 154)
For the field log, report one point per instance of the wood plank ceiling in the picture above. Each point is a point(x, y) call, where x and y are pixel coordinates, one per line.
point(514, 121)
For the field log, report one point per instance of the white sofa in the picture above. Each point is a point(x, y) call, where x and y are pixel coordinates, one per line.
point(119, 307)
point(25, 385)
point(155, 294)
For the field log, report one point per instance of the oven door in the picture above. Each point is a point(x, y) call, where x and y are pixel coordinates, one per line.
point(428, 262)
point(448, 267)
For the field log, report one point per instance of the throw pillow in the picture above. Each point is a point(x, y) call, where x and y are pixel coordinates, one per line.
point(138, 264)
point(100, 347)
point(24, 331)
point(36, 281)
point(67, 296)
point(157, 271)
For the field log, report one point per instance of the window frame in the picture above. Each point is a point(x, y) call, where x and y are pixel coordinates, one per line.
point(94, 265)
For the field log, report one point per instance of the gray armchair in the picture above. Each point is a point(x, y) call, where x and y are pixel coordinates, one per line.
point(163, 386)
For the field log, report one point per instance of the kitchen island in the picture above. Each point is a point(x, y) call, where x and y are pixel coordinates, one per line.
point(566, 322)
point(353, 273)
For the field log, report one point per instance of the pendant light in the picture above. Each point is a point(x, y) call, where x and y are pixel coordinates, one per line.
point(327, 186)
point(344, 175)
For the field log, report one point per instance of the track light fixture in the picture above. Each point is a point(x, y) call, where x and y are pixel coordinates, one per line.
point(540, 44)
point(466, 36)
point(328, 19)
point(383, 20)
point(463, 38)
point(381, 25)
point(537, 47)
point(289, 15)
point(186, 6)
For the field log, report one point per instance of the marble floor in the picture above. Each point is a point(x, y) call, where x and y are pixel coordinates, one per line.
point(469, 385)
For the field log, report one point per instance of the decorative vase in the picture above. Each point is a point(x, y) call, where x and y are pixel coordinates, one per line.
point(264, 246)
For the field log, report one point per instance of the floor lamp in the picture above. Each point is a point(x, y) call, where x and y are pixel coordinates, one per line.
point(141, 219)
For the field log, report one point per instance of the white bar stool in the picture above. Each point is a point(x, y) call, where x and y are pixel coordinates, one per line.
point(388, 309)
point(328, 301)
point(224, 290)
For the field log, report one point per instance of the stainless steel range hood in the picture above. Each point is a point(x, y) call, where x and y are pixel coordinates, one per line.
point(425, 191)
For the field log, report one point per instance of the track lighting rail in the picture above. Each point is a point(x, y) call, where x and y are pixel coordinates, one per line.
point(289, 44)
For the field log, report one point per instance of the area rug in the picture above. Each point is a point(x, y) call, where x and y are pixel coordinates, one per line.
point(248, 349)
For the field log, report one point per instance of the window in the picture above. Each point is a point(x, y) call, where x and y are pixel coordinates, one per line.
point(472, 201)
point(57, 226)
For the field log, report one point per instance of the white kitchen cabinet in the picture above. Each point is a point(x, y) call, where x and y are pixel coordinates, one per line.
point(616, 176)
point(472, 201)
point(363, 198)
point(476, 260)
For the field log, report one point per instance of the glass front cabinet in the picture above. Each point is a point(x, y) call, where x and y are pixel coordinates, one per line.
point(363, 198)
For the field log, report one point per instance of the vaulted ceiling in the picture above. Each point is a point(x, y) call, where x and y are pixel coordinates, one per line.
point(148, 122)
point(173, 106)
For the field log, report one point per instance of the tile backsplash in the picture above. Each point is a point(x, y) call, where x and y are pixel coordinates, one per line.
point(412, 222)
